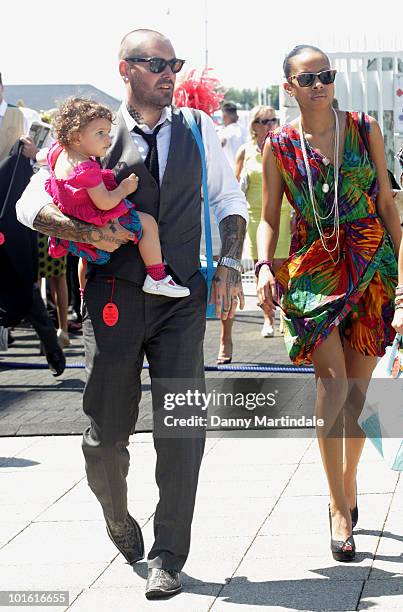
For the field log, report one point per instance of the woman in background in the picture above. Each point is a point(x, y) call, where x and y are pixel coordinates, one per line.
point(248, 171)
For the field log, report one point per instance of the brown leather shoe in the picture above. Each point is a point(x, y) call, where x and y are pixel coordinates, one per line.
point(162, 583)
point(127, 538)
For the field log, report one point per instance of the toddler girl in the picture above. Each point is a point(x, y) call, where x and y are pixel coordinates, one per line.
point(82, 189)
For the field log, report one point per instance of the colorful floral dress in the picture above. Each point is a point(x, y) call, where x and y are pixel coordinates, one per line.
point(357, 293)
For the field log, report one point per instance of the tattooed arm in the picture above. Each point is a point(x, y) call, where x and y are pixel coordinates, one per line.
point(52, 222)
point(33, 212)
point(226, 289)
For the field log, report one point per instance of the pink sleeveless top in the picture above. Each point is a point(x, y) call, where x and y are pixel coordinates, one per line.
point(71, 196)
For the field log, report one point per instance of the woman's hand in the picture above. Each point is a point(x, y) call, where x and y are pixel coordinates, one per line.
point(397, 322)
point(266, 290)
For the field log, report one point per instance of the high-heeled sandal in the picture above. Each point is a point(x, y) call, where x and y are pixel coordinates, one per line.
point(221, 360)
point(341, 550)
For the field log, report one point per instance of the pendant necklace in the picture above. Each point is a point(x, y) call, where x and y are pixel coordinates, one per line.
point(325, 161)
point(334, 210)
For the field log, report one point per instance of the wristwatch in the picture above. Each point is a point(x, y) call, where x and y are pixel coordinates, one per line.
point(230, 262)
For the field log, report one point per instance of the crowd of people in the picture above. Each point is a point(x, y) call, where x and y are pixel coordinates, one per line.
point(324, 235)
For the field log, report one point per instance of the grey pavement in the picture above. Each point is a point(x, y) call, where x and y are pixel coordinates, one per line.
point(260, 538)
point(33, 402)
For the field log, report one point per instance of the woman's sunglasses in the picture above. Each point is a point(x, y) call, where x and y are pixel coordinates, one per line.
point(158, 64)
point(306, 79)
point(265, 121)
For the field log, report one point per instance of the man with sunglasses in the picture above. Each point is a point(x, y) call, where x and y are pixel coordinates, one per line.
point(154, 141)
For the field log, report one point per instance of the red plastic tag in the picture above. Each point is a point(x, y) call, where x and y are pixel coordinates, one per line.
point(110, 314)
point(2, 238)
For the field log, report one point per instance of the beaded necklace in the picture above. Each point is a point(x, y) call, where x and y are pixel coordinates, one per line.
point(335, 207)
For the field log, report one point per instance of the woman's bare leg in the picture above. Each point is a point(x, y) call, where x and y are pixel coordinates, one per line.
point(225, 350)
point(359, 371)
point(58, 290)
point(332, 388)
point(82, 271)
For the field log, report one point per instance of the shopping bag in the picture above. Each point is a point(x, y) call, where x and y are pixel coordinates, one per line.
point(382, 416)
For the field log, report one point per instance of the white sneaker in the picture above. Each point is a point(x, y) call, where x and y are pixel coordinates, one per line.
point(166, 286)
point(267, 330)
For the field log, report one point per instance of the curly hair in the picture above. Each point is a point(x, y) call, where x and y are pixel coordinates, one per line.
point(74, 114)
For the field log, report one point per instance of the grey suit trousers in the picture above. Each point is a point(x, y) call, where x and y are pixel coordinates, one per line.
point(170, 332)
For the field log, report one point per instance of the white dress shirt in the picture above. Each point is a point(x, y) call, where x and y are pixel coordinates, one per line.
point(232, 137)
point(225, 196)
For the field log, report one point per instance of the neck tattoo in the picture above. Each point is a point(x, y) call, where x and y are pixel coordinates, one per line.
point(138, 117)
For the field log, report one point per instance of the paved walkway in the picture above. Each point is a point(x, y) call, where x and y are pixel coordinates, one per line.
point(34, 402)
point(260, 535)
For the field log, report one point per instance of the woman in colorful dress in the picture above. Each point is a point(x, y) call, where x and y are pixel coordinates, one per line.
point(337, 288)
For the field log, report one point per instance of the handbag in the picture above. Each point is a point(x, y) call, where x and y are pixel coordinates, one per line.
point(382, 419)
point(207, 263)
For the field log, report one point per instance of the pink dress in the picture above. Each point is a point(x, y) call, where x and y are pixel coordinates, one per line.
point(72, 198)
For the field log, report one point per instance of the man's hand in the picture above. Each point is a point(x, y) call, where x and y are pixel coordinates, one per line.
point(52, 222)
point(29, 149)
point(226, 292)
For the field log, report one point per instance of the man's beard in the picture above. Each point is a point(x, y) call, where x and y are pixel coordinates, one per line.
point(157, 97)
point(162, 99)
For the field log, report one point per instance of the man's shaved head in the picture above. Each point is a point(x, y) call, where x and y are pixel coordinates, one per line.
point(134, 42)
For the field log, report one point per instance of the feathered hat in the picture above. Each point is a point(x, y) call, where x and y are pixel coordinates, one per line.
point(199, 90)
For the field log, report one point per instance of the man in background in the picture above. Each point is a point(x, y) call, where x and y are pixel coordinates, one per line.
point(232, 136)
point(20, 296)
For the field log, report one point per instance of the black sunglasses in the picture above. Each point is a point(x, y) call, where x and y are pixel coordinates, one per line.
point(306, 79)
point(265, 121)
point(158, 64)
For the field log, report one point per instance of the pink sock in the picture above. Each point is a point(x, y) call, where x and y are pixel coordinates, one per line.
point(81, 293)
point(156, 272)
